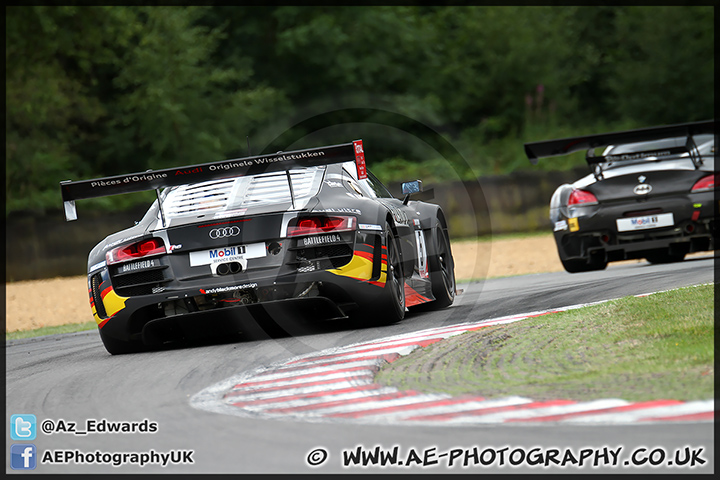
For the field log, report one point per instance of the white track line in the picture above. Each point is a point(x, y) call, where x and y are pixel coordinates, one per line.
point(647, 413)
point(337, 385)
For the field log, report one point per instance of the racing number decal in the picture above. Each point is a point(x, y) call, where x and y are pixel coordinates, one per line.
point(422, 254)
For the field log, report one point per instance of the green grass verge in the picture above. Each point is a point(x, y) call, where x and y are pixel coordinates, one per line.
point(637, 349)
point(39, 332)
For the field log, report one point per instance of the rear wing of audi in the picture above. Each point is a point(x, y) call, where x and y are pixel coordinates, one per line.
point(169, 177)
point(565, 146)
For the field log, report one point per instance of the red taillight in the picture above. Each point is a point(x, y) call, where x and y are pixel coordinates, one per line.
point(145, 248)
point(706, 183)
point(317, 225)
point(582, 197)
point(308, 224)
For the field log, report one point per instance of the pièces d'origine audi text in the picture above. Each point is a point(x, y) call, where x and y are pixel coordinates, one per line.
point(307, 234)
point(651, 194)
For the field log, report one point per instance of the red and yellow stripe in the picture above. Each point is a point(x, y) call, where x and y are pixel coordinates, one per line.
point(361, 267)
point(112, 302)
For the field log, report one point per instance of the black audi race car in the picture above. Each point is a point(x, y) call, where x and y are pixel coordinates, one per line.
point(651, 194)
point(307, 234)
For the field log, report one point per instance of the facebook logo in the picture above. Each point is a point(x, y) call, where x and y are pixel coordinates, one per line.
point(22, 457)
point(23, 427)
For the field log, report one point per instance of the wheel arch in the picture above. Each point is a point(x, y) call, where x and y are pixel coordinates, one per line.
point(407, 263)
point(558, 202)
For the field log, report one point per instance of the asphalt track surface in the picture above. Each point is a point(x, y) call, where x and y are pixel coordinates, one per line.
point(73, 379)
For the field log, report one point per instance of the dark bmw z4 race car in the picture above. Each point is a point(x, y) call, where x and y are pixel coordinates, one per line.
point(307, 234)
point(651, 194)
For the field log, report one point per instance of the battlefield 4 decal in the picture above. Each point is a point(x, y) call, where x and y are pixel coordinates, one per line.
point(141, 265)
point(320, 240)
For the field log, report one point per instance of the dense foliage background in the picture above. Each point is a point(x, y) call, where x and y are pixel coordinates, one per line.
point(102, 90)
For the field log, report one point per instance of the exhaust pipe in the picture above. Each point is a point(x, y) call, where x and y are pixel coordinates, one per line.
point(229, 268)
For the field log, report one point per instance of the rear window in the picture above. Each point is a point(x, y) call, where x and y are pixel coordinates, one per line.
point(704, 143)
point(242, 192)
point(700, 140)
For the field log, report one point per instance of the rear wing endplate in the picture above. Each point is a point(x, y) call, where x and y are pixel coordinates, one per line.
point(156, 179)
point(565, 146)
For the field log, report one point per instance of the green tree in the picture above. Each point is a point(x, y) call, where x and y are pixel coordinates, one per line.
point(101, 90)
point(665, 71)
point(96, 91)
point(49, 98)
point(175, 107)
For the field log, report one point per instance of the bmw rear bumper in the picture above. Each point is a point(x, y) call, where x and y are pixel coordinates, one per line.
point(595, 235)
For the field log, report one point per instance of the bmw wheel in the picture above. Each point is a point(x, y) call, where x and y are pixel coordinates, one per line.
point(663, 256)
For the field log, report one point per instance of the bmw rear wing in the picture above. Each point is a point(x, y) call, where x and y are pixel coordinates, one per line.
point(169, 177)
point(565, 146)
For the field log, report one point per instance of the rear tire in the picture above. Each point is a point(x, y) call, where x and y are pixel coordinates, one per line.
point(119, 347)
point(390, 306)
point(582, 265)
point(663, 256)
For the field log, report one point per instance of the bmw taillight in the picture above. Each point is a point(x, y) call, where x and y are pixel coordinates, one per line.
point(582, 198)
point(145, 248)
point(319, 225)
point(705, 184)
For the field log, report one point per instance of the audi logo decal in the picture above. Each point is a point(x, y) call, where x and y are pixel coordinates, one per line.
point(642, 189)
point(225, 232)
